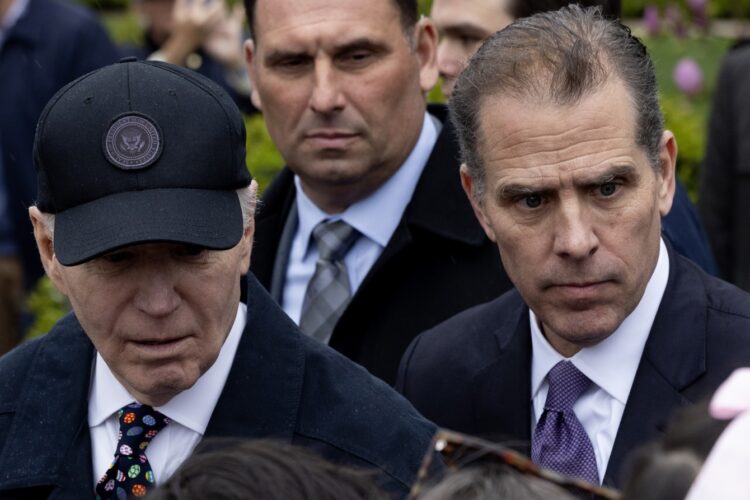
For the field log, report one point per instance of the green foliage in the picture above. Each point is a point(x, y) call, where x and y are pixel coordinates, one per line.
point(263, 159)
point(716, 8)
point(47, 305)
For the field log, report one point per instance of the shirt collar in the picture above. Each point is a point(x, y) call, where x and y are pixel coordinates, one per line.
point(376, 216)
point(191, 408)
point(611, 364)
point(14, 13)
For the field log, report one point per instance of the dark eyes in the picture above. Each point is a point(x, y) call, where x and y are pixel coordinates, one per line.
point(608, 189)
point(532, 201)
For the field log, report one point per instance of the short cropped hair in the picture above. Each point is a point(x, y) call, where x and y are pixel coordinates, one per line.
point(407, 9)
point(228, 469)
point(561, 57)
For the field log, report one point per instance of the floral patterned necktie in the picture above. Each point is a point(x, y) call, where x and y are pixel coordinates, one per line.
point(130, 474)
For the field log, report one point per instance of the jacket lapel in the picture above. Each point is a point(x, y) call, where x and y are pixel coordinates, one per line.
point(261, 399)
point(56, 450)
point(502, 390)
point(673, 358)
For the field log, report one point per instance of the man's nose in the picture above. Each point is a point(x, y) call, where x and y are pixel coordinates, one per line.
point(574, 233)
point(450, 59)
point(327, 96)
point(157, 295)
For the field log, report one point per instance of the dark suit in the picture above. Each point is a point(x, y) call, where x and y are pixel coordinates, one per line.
point(53, 43)
point(438, 262)
point(724, 201)
point(473, 372)
point(281, 385)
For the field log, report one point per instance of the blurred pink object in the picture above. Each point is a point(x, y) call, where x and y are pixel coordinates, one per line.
point(733, 396)
point(697, 6)
point(725, 473)
point(652, 20)
point(688, 76)
point(673, 16)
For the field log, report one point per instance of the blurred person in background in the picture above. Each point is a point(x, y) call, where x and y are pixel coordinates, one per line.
point(44, 44)
point(463, 25)
point(203, 35)
point(724, 200)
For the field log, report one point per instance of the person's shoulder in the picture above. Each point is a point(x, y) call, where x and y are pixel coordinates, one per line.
point(721, 297)
point(65, 14)
point(356, 415)
point(473, 328)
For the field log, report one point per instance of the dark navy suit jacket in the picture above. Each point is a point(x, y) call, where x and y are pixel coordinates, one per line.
point(53, 43)
point(472, 373)
point(282, 385)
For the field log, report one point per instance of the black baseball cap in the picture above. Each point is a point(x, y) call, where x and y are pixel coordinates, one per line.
point(137, 152)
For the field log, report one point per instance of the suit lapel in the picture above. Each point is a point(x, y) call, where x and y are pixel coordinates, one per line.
point(56, 450)
point(502, 390)
point(673, 358)
point(261, 398)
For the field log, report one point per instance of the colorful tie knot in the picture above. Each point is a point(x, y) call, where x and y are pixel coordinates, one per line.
point(566, 384)
point(130, 474)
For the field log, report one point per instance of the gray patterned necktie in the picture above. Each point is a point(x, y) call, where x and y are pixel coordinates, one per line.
point(328, 291)
point(560, 442)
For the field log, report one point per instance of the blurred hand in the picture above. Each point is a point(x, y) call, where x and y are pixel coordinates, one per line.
point(224, 43)
point(194, 21)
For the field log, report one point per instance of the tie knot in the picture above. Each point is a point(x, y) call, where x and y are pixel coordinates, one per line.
point(566, 384)
point(138, 426)
point(334, 239)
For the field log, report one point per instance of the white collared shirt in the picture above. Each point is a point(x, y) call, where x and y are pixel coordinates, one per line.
point(610, 365)
point(375, 217)
point(11, 17)
point(189, 411)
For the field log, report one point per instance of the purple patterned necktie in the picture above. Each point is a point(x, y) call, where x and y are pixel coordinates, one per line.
point(130, 474)
point(328, 292)
point(560, 442)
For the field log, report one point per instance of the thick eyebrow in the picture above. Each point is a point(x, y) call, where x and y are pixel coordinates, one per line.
point(512, 191)
point(627, 172)
point(277, 55)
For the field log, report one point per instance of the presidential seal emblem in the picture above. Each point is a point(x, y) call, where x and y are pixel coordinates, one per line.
point(132, 142)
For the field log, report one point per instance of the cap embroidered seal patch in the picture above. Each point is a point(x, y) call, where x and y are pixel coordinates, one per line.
point(132, 142)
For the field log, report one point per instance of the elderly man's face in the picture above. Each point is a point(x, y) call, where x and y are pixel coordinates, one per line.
point(157, 313)
point(342, 89)
point(574, 206)
point(463, 25)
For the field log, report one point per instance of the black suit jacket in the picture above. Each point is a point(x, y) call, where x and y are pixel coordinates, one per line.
point(724, 200)
point(437, 263)
point(282, 385)
point(472, 373)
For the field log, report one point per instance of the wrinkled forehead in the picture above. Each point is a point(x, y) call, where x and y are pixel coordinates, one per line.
point(527, 132)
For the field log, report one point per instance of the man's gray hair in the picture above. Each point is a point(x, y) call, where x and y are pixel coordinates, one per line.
point(559, 57)
point(247, 196)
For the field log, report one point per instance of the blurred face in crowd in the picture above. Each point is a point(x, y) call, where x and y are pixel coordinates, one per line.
point(462, 27)
point(574, 206)
point(341, 86)
point(157, 313)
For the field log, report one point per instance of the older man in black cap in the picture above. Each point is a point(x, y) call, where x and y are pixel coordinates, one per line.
point(145, 222)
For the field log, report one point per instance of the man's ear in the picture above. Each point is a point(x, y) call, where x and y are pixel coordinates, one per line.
point(666, 171)
point(247, 236)
point(426, 40)
point(467, 181)
point(46, 248)
point(252, 73)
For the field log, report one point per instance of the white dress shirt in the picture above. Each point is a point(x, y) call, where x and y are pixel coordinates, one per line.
point(189, 411)
point(610, 365)
point(375, 217)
